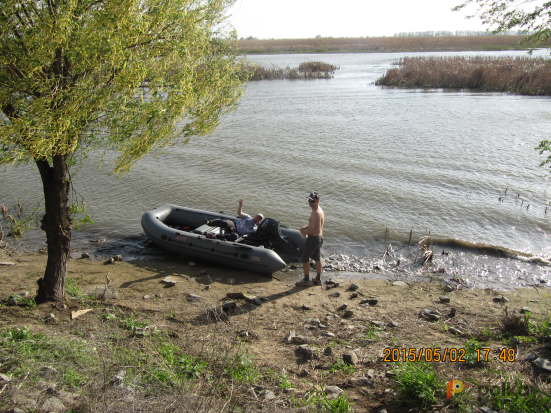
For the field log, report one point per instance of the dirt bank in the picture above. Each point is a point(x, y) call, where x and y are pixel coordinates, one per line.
point(135, 289)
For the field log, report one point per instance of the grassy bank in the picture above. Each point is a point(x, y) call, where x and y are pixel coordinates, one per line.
point(380, 44)
point(521, 75)
point(306, 70)
point(144, 347)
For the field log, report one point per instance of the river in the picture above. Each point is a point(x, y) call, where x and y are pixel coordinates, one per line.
point(459, 165)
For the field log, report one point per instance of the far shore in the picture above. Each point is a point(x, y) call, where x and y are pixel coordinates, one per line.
point(383, 44)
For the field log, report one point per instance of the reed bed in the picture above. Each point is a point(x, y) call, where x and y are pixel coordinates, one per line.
point(306, 70)
point(380, 44)
point(520, 75)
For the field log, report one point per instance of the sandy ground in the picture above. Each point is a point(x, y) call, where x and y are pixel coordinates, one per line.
point(284, 307)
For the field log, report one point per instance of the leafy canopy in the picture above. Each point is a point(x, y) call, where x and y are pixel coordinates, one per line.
point(534, 16)
point(125, 75)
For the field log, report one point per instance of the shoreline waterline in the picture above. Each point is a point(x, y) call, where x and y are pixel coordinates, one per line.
point(459, 263)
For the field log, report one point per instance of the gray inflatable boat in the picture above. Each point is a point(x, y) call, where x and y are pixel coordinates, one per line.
point(180, 230)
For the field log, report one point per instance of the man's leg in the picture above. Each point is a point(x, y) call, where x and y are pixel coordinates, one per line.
point(306, 264)
point(316, 256)
point(319, 267)
point(306, 268)
point(222, 223)
point(229, 237)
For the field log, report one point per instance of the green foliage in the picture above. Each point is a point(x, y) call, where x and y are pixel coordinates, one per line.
point(27, 302)
point(473, 352)
point(340, 365)
point(418, 383)
point(543, 325)
point(241, 368)
point(109, 74)
point(120, 77)
point(24, 353)
point(284, 382)
point(108, 317)
point(77, 216)
point(504, 15)
point(318, 400)
point(17, 334)
point(173, 365)
point(191, 367)
point(20, 221)
point(517, 398)
point(371, 333)
point(72, 288)
point(130, 323)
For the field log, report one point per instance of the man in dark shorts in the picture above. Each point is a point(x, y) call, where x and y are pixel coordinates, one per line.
point(314, 241)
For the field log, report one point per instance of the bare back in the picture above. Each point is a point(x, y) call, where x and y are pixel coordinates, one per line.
point(315, 224)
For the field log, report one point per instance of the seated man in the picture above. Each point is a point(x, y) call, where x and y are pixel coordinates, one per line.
point(235, 229)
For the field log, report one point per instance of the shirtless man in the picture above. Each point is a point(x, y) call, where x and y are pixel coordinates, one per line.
point(314, 241)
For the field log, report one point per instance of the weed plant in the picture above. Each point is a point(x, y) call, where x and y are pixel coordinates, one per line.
point(72, 288)
point(25, 353)
point(318, 400)
point(521, 75)
point(341, 366)
point(284, 382)
point(129, 323)
point(418, 383)
point(517, 398)
point(473, 353)
point(20, 221)
point(241, 368)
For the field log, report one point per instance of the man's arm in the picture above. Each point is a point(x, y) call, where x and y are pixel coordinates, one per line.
point(240, 208)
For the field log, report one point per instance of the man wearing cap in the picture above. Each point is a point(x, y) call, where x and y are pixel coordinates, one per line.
point(314, 240)
point(236, 229)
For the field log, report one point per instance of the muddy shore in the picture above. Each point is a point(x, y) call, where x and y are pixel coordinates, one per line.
point(270, 309)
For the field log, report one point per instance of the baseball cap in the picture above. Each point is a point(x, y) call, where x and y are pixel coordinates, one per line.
point(313, 196)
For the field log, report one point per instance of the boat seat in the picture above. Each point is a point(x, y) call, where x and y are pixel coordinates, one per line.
point(205, 229)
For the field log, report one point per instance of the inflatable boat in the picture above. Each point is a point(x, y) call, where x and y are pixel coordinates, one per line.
point(181, 230)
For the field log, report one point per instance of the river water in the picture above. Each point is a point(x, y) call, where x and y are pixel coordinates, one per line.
point(459, 165)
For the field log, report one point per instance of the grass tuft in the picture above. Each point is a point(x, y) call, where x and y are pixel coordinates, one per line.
point(418, 383)
point(518, 398)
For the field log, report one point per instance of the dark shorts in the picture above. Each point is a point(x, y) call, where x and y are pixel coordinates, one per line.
point(312, 248)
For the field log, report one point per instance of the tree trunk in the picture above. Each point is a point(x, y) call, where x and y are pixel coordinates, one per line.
point(57, 225)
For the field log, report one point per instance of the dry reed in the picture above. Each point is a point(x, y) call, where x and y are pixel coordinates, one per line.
point(306, 70)
point(521, 75)
point(379, 44)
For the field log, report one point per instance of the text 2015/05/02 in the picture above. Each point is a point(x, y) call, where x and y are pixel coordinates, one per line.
point(454, 355)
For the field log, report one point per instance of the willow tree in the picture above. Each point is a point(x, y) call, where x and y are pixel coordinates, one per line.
point(122, 76)
point(530, 16)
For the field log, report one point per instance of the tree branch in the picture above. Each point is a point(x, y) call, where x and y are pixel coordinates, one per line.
point(16, 33)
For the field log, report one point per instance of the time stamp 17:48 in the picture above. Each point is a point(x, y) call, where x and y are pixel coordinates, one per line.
point(454, 355)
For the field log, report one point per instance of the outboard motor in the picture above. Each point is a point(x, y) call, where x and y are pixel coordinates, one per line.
point(268, 230)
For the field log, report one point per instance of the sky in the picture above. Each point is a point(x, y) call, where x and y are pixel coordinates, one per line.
point(289, 19)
